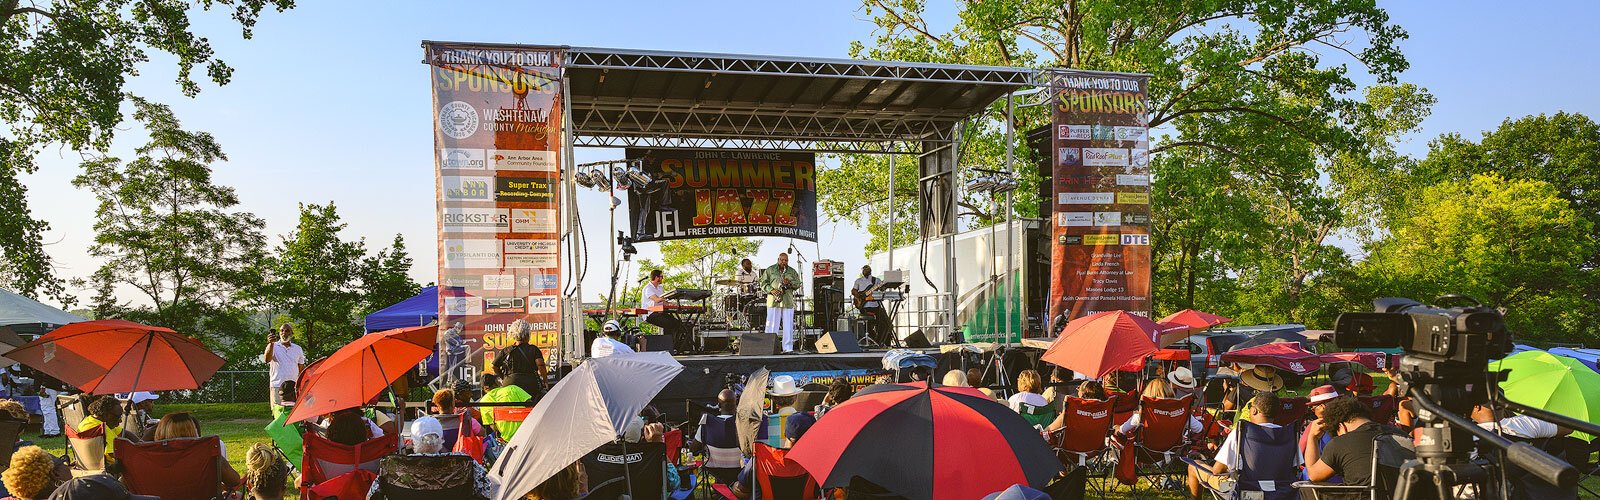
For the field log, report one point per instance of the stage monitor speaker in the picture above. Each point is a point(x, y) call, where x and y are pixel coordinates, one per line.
point(918, 340)
point(758, 344)
point(657, 343)
point(833, 342)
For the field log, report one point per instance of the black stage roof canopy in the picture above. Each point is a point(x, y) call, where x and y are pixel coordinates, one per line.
point(623, 97)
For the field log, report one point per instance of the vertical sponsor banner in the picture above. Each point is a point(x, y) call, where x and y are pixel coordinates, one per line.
point(1100, 253)
point(497, 138)
point(707, 193)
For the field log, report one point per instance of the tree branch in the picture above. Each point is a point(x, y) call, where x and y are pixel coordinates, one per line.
point(903, 21)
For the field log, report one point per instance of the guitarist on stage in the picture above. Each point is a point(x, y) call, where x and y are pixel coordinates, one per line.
point(779, 283)
point(878, 329)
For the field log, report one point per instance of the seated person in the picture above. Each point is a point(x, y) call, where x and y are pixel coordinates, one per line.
point(139, 422)
point(33, 474)
point(348, 428)
point(1349, 453)
point(1264, 409)
point(718, 435)
point(1028, 387)
point(1158, 389)
point(568, 483)
point(373, 430)
point(795, 427)
point(182, 425)
point(427, 440)
point(607, 343)
point(1516, 426)
point(505, 393)
point(104, 411)
point(445, 402)
point(1087, 389)
point(266, 473)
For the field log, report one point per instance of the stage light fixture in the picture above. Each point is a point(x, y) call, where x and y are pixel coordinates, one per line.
point(583, 179)
point(638, 177)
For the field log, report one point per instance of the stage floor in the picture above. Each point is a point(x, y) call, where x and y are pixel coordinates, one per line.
point(704, 375)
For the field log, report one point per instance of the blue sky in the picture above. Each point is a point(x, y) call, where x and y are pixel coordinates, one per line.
point(331, 103)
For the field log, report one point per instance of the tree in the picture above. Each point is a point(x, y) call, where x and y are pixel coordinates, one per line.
point(386, 278)
point(63, 66)
point(1214, 67)
point(165, 229)
point(313, 278)
point(691, 263)
point(1512, 243)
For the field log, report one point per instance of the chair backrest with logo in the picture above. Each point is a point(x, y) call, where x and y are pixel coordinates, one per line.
point(1123, 406)
point(781, 478)
point(421, 477)
point(643, 463)
point(1085, 424)
point(1262, 466)
point(1164, 423)
point(324, 459)
point(88, 447)
point(1383, 407)
point(172, 468)
point(1291, 411)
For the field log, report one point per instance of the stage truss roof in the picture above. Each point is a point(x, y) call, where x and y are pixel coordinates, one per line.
point(621, 98)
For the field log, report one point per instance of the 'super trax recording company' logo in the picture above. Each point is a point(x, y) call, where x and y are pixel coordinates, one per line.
point(458, 120)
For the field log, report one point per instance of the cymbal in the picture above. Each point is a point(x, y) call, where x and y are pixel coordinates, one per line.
point(729, 282)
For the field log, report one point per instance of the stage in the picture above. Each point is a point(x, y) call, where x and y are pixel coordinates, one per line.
point(705, 375)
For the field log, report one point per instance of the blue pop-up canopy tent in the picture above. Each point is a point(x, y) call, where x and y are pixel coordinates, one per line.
point(418, 310)
point(1589, 357)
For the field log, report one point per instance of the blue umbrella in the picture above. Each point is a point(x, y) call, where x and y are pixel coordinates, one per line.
point(1589, 357)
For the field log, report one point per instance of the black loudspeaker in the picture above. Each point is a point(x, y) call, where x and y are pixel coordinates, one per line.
point(656, 343)
point(918, 340)
point(833, 342)
point(758, 344)
point(829, 296)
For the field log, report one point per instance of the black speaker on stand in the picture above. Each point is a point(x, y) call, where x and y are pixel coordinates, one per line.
point(828, 294)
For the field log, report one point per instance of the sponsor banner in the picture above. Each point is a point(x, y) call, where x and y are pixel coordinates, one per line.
point(516, 159)
point(1087, 198)
point(538, 304)
point(497, 136)
point(1105, 157)
point(709, 193)
point(525, 189)
point(467, 188)
point(1100, 261)
point(536, 260)
point(530, 246)
point(472, 253)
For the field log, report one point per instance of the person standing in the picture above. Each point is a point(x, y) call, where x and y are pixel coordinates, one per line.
point(780, 281)
point(285, 360)
point(522, 364)
point(879, 328)
point(651, 297)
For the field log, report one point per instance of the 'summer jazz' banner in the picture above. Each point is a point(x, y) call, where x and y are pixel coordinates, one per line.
point(703, 193)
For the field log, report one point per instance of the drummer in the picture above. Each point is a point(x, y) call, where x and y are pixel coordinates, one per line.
point(747, 277)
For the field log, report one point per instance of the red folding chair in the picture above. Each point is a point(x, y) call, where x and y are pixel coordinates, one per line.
point(1292, 411)
point(88, 449)
point(341, 464)
point(778, 477)
point(1384, 407)
point(172, 468)
point(1081, 441)
point(1123, 406)
point(1161, 438)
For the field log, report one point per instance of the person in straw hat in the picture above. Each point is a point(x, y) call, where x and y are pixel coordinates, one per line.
point(1257, 378)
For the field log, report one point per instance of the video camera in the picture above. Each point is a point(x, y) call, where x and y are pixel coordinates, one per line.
point(1447, 349)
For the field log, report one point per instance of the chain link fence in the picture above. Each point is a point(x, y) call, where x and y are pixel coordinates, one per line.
point(237, 386)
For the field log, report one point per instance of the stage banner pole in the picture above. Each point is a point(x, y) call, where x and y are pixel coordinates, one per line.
point(1100, 254)
point(498, 143)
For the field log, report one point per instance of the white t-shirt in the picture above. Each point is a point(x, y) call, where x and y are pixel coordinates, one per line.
point(1017, 400)
point(1523, 426)
point(650, 289)
point(863, 284)
point(1133, 423)
point(285, 363)
point(1228, 454)
point(605, 346)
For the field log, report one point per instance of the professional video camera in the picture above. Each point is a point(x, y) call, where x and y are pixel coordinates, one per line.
point(1445, 370)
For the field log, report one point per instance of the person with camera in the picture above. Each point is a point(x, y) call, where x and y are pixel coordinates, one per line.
point(285, 360)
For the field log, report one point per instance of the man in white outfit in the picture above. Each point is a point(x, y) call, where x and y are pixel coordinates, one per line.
point(780, 282)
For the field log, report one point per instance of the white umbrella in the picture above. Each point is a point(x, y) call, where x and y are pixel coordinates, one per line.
point(588, 408)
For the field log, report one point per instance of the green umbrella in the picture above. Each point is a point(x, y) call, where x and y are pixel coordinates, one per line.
point(1554, 383)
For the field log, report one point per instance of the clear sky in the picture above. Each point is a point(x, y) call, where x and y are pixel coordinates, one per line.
point(330, 101)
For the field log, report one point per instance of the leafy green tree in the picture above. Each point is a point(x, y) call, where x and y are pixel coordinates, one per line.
point(1513, 243)
point(684, 264)
point(63, 68)
point(313, 277)
point(386, 278)
point(163, 228)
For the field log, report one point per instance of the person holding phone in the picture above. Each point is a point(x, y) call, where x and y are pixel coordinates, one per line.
point(285, 360)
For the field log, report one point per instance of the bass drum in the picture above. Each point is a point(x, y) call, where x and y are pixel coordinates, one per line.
point(756, 315)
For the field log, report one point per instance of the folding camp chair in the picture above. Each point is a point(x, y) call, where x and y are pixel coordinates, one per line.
point(422, 477)
point(641, 464)
point(172, 468)
point(1038, 416)
point(72, 407)
point(1291, 412)
point(1161, 438)
point(10, 429)
point(778, 477)
point(1081, 441)
point(1383, 407)
point(325, 460)
point(1389, 453)
point(1264, 470)
point(1123, 406)
point(451, 425)
point(88, 450)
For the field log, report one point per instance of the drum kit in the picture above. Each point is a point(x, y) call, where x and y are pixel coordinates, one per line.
point(737, 305)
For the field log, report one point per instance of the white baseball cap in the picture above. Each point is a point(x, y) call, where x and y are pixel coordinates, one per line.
point(138, 397)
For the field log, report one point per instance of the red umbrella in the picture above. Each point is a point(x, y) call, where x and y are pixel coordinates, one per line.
point(1195, 319)
point(926, 441)
point(360, 370)
point(1137, 365)
point(1172, 332)
point(1286, 356)
point(1099, 343)
point(112, 355)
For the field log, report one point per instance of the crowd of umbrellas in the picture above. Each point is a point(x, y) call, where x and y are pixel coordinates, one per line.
point(944, 442)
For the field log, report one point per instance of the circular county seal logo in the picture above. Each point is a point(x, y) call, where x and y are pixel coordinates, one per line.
point(458, 120)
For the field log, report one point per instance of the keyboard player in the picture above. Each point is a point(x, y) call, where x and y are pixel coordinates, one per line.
point(652, 298)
